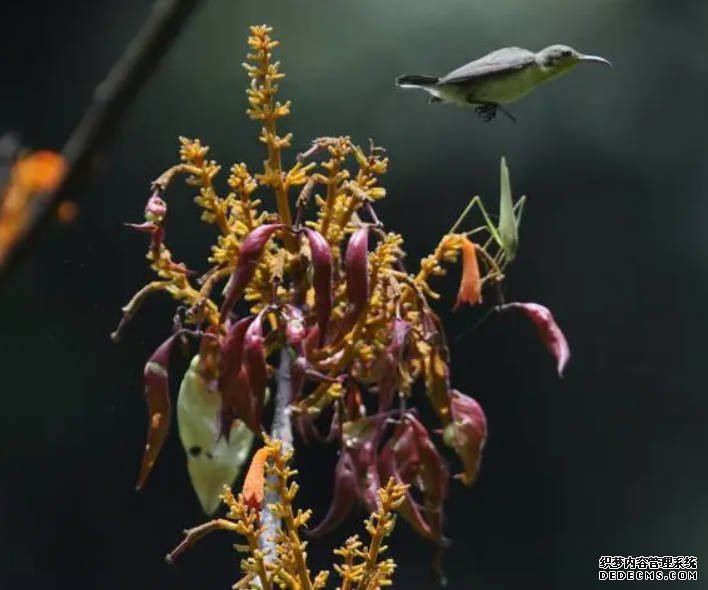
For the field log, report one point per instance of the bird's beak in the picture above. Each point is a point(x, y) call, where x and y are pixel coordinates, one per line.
point(595, 59)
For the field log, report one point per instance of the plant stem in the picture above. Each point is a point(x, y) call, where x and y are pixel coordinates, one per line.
point(281, 429)
point(110, 101)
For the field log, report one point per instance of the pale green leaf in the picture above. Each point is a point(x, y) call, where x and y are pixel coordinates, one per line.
point(212, 462)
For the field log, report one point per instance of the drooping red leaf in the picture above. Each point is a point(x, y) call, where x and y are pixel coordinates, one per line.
point(232, 348)
point(438, 385)
point(209, 356)
point(467, 434)
point(549, 332)
point(255, 364)
point(237, 402)
point(146, 226)
point(388, 364)
point(386, 372)
point(157, 396)
point(345, 496)
point(412, 458)
point(321, 279)
point(249, 254)
point(235, 391)
point(357, 275)
point(410, 510)
point(307, 429)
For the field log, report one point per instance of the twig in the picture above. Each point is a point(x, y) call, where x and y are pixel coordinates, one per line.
point(194, 534)
point(111, 99)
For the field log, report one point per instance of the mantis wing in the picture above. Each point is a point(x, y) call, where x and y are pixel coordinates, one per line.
point(508, 227)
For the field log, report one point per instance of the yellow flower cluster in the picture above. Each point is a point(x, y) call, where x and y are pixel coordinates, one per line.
point(362, 567)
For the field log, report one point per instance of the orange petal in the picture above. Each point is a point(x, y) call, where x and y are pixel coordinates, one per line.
point(254, 484)
point(471, 283)
point(39, 171)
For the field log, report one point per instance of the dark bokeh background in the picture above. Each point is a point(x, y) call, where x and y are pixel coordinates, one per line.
point(609, 460)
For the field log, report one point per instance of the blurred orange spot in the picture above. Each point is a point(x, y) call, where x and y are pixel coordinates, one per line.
point(67, 211)
point(31, 174)
point(39, 171)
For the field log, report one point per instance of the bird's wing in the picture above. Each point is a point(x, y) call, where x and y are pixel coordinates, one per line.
point(501, 60)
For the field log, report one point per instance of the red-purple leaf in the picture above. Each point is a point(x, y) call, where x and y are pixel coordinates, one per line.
point(387, 366)
point(411, 458)
point(249, 254)
point(467, 434)
point(237, 402)
point(356, 266)
point(345, 496)
point(232, 348)
point(145, 227)
point(361, 439)
point(409, 509)
point(438, 385)
point(233, 382)
point(157, 396)
point(549, 332)
point(321, 279)
point(255, 365)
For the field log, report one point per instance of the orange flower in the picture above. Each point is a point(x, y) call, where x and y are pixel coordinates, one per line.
point(254, 484)
point(471, 283)
point(38, 172)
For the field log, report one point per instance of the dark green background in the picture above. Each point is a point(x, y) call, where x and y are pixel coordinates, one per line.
point(610, 460)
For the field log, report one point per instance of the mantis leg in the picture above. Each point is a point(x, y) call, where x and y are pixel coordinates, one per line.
point(487, 220)
point(518, 210)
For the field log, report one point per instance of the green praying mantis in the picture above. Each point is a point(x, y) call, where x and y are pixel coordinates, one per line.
point(505, 234)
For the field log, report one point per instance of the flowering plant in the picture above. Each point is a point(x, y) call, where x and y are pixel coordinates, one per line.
point(330, 299)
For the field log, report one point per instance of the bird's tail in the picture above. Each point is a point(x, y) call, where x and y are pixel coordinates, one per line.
point(416, 81)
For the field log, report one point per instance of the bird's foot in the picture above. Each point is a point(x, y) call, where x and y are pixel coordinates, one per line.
point(488, 111)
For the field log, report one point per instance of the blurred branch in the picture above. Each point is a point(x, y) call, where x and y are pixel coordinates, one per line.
point(111, 99)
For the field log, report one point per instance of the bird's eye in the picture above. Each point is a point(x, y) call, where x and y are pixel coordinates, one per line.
point(565, 53)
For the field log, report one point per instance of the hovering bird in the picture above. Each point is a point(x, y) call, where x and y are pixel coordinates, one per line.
point(500, 77)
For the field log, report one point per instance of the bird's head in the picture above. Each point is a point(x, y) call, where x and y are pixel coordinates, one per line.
point(560, 58)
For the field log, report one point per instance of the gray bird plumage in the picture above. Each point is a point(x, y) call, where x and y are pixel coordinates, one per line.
point(500, 77)
point(508, 59)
